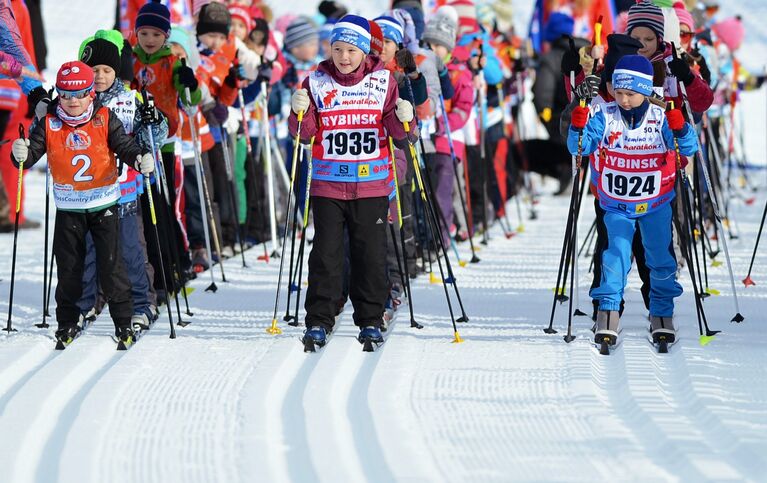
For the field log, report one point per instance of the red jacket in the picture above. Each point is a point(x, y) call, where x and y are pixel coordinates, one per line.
point(394, 128)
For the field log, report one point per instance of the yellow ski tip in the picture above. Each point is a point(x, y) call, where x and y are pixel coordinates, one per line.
point(457, 339)
point(433, 279)
point(274, 330)
point(706, 339)
point(716, 263)
point(461, 263)
point(712, 291)
point(188, 290)
point(521, 229)
point(561, 290)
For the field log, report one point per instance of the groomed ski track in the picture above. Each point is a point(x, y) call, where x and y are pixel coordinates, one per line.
point(228, 402)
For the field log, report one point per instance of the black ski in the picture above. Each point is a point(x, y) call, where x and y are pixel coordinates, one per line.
point(63, 344)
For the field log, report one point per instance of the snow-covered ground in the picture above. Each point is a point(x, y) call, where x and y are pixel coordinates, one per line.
point(225, 401)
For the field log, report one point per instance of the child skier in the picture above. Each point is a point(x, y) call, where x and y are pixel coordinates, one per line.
point(81, 138)
point(102, 53)
point(350, 104)
point(634, 176)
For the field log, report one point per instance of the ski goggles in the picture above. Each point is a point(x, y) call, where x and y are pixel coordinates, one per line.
point(81, 94)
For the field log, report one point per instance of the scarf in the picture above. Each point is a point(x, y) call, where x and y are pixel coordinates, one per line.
point(117, 88)
point(73, 121)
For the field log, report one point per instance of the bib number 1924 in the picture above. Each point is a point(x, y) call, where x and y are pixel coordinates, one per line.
point(637, 186)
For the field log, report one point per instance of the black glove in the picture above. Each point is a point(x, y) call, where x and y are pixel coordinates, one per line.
point(571, 61)
point(681, 70)
point(588, 88)
point(149, 114)
point(705, 72)
point(186, 77)
point(233, 77)
point(264, 72)
point(519, 66)
point(406, 61)
point(35, 97)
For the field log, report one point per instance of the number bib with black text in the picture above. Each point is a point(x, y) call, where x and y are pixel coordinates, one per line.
point(636, 174)
point(83, 168)
point(350, 145)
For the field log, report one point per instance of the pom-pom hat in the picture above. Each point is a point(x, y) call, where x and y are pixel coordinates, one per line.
point(354, 30)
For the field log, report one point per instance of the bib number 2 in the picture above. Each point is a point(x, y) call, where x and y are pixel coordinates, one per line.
point(634, 187)
point(82, 174)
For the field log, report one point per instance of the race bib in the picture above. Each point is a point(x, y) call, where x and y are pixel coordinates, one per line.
point(340, 144)
point(630, 186)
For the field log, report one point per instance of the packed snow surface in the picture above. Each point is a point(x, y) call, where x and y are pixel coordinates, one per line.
point(226, 401)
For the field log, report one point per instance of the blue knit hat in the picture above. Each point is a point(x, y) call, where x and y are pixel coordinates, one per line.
point(354, 30)
point(154, 15)
point(559, 24)
point(633, 73)
point(391, 28)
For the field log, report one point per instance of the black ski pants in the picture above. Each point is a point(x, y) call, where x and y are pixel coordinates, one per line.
point(366, 222)
point(69, 248)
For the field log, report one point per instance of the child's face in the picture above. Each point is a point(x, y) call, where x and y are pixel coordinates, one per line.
point(346, 57)
point(628, 99)
point(151, 40)
point(178, 51)
point(239, 29)
point(212, 40)
point(648, 39)
point(74, 106)
point(307, 51)
point(390, 48)
point(104, 77)
point(441, 52)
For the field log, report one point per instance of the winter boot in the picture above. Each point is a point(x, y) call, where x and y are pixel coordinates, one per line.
point(607, 328)
point(371, 333)
point(316, 334)
point(200, 261)
point(140, 322)
point(125, 337)
point(65, 335)
point(662, 328)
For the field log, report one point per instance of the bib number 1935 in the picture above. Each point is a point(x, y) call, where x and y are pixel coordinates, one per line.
point(341, 144)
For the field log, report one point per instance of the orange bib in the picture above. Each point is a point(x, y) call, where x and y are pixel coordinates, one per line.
point(83, 168)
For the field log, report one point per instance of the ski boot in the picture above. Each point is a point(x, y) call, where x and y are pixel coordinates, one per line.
point(140, 322)
point(663, 332)
point(125, 337)
point(200, 261)
point(606, 333)
point(368, 336)
point(388, 315)
point(66, 335)
point(314, 336)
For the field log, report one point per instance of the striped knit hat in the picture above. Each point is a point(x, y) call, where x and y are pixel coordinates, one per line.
point(633, 73)
point(154, 15)
point(300, 31)
point(646, 14)
point(391, 28)
point(354, 30)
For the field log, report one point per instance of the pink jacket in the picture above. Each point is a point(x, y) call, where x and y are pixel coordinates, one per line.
point(458, 109)
point(395, 129)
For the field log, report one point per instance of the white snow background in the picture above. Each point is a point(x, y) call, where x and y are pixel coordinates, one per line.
point(225, 401)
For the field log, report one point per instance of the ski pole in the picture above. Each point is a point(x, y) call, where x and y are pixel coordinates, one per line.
point(234, 205)
point(294, 229)
point(454, 159)
point(737, 317)
point(431, 219)
point(400, 221)
point(274, 329)
point(174, 265)
point(305, 223)
point(269, 174)
point(44, 324)
point(19, 185)
point(748, 281)
point(202, 192)
point(153, 214)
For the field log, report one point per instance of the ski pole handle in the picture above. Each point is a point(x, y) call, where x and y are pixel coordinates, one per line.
point(21, 173)
point(598, 31)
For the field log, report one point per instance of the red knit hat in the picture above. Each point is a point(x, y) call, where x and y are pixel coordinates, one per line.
point(467, 16)
point(376, 38)
point(242, 15)
point(74, 76)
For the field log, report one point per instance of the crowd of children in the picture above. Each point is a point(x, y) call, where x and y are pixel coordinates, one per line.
point(199, 107)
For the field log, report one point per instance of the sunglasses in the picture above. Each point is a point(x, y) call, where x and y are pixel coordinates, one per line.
point(686, 35)
point(66, 95)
